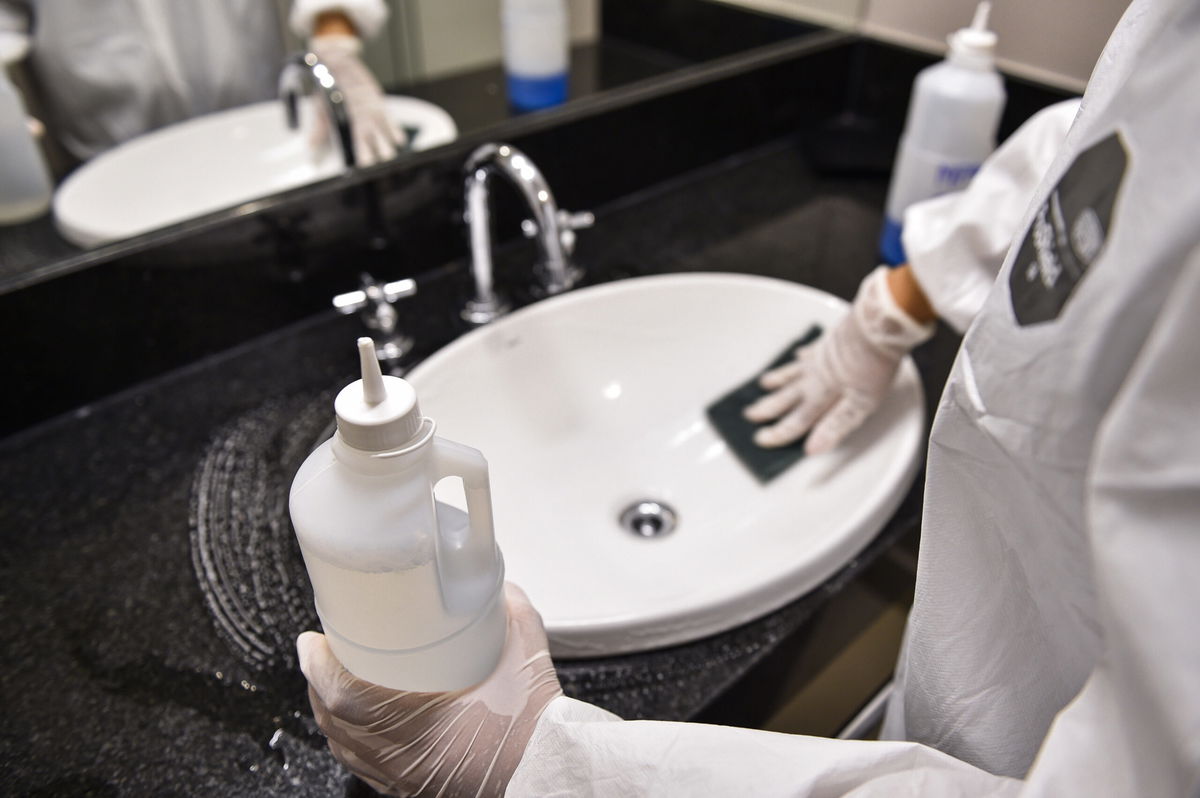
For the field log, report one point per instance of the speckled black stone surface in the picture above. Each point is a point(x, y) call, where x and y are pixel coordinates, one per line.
point(116, 681)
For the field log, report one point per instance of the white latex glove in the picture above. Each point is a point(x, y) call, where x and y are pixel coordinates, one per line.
point(835, 384)
point(376, 137)
point(466, 742)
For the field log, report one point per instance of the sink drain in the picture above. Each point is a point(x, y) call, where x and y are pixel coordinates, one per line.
point(649, 519)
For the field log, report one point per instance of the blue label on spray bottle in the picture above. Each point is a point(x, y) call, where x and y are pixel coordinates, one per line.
point(890, 246)
point(532, 93)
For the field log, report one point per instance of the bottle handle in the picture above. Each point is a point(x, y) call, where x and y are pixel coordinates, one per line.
point(468, 562)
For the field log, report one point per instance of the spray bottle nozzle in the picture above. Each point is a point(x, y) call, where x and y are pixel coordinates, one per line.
point(975, 45)
point(374, 391)
point(981, 16)
point(376, 413)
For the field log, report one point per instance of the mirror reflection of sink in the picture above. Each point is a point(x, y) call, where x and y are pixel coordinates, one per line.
point(207, 164)
point(588, 403)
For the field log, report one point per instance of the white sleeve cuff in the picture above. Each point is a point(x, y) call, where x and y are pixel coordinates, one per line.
point(555, 742)
point(956, 243)
point(368, 16)
point(577, 749)
point(885, 324)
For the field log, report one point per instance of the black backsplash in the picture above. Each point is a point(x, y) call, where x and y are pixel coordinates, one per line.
point(72, 340)
point(695, 31)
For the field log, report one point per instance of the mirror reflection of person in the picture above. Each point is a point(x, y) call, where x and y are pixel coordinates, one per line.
point(1053, 647)
point(105, 71)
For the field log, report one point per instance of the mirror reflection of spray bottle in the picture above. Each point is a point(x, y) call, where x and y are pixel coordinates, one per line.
point(536, 52)
point(25, 187)
point(950, 129)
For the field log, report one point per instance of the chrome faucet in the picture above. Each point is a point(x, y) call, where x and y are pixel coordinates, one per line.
point(551, 228)
point(291, 87)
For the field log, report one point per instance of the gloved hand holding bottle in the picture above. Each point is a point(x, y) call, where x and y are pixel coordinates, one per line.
point(466, 742)
point(834, 385)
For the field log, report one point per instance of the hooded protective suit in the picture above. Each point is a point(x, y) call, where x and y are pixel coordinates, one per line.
point(1053, 647)
point(109, 70)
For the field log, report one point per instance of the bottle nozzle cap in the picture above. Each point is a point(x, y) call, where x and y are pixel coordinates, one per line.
point(378, 412)
point(975, 45)
point(374, 391)
point(981, 16)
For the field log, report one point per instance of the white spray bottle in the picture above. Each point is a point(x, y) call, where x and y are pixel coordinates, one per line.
point(536, 45)
point(950, 129)
point(409, 590)
point(25, 188)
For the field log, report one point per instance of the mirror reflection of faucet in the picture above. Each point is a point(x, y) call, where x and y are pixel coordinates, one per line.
point(375, 300)
point(291, 88)
point(553, 229)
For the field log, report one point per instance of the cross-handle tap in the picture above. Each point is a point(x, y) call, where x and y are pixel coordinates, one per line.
point(552, 228)
point(568, 223)
point(375, 301)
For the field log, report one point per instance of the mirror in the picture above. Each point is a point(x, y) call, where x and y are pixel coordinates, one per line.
point(443, 57)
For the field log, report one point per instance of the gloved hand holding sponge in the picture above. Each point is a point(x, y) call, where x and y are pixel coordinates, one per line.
point(336, 39)
point(835, 384)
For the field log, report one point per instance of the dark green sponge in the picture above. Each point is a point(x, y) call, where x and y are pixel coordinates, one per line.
point(725, 415)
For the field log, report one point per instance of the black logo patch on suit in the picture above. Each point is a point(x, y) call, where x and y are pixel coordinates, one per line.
point(1068, 233)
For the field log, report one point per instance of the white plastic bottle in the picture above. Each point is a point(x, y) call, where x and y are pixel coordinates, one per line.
point(25, 187)
point(536, 52)
point(950, 129)
point(409, 591)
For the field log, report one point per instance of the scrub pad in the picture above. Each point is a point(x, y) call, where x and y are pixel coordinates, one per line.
point(725, 414)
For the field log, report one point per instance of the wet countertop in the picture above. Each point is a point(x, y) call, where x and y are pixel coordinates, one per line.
point(120, 679)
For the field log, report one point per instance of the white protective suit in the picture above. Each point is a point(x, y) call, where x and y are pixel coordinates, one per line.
point(1053, 649)
point(108, 70)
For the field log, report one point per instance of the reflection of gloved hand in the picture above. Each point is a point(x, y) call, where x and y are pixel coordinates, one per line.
point(376, 137)
point(835, 384)
point(467, 742)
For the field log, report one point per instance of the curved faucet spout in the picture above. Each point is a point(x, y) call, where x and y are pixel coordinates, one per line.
point(552, 229)
point(291, 87)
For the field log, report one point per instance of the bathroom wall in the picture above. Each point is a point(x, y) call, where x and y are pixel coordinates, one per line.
point(1056, 43)
point(840, 14)
point(431, 38)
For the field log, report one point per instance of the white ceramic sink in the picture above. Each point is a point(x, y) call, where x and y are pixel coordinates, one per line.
point(586, 403)
point(207, 164)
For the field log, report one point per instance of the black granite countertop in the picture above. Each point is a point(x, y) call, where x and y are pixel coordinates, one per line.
point(117, 679)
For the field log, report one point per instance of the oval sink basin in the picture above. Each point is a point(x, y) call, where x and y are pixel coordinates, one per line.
point(207, 164)
point(590, 402)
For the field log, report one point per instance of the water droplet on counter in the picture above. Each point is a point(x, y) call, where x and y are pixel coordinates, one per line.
point(244, 552)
